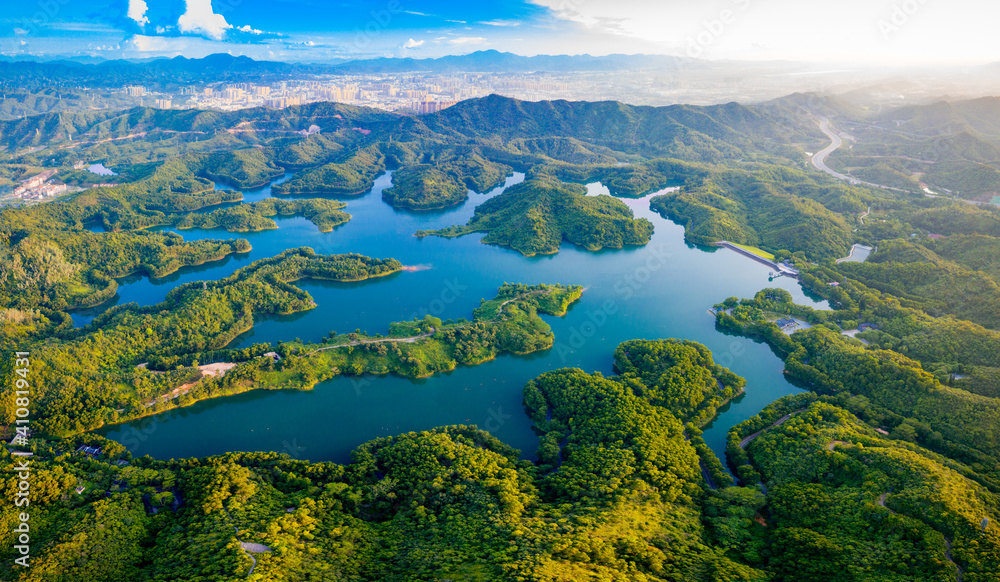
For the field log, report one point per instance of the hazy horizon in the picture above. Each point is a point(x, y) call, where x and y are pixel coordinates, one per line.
point(896, 34)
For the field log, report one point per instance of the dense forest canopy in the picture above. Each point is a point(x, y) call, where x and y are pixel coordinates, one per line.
point(886, 467)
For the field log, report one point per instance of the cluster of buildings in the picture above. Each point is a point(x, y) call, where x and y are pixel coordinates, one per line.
point(406, 93)
point(414, 92)
point(38, 188)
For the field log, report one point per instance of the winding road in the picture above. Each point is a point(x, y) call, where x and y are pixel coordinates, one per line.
point(244, 550)
point(779, 422)
point(819, 158)
point(819, 161)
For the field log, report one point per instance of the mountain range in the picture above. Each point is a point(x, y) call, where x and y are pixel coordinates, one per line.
point(224, 67)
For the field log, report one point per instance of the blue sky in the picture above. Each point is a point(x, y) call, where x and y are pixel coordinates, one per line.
point(875, 31)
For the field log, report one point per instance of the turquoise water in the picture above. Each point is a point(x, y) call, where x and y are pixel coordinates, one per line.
point(661, 290)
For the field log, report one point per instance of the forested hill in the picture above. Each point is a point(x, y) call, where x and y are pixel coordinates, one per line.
point(625, 488)
point(729, 129)
point(714, 132)
point(67, 128)
point(949, 147)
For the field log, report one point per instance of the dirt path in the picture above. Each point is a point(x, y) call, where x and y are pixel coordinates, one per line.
point(401, 340)
point(779, 422)
point(861, 218)
point(832, 444)
point(207, 371)
point(947, 553)
point(244, 550)
point(959, 574)
point(105, 140)
point(415, 338)
point(249, 548)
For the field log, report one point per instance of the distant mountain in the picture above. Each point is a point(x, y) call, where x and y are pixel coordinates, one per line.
point(798, 105)
point(976, 116)
point(223, 67)
point(493, 61)
point(178, 70)
point(951, 146)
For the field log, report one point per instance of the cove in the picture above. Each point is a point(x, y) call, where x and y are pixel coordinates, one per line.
point(660, 290)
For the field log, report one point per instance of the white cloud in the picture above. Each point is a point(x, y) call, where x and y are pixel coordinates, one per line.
point(20, 31)
point(200, 19)
point(83, 27)
point(148, 44)
point(457, 21)
point(467, 40)
point(501, 22)
point(789, 29)
point(137, 12)
point(248, 28)
point(412, 43)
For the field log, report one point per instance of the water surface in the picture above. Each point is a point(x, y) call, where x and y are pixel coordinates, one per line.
point(660, 290)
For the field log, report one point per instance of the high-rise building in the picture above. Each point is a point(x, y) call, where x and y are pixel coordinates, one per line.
point(423, 107)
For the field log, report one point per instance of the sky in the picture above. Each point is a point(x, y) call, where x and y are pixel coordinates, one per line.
point(878, 32)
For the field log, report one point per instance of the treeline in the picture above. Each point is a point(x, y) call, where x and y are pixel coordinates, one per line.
point(451, 502)
point(771, 207)
point(429, 346)
point(325, 214)
point(354, 175)
point(89, 377)
point(616, 493)
point(846, 503)
point(424, 187)
point(960, 424)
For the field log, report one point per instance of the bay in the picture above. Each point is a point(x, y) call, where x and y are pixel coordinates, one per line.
point(660, 290)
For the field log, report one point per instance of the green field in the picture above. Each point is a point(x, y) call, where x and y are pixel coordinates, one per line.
point(756, 251)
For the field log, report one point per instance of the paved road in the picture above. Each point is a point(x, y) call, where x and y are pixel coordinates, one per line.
point(819, 159)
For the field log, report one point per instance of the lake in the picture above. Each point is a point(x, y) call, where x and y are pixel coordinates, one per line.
point(661, 290)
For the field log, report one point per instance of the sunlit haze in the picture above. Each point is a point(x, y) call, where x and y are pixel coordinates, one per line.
point(856, 32)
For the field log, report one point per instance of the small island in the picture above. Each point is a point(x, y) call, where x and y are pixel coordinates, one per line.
point(444, 183)
point(253, 217)
point(354, 175)
point(534, 217)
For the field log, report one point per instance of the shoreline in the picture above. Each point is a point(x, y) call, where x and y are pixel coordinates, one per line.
point(171, 403)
